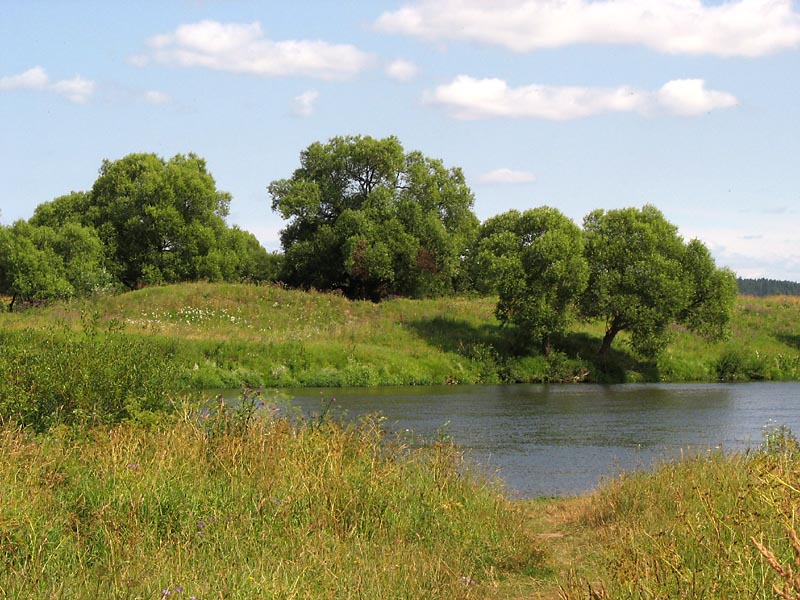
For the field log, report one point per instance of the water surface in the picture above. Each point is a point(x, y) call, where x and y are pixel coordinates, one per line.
point(546, 440)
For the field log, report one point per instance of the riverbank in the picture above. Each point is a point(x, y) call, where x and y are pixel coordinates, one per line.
point(226, 335)
point(243, 505)
point(709, 526)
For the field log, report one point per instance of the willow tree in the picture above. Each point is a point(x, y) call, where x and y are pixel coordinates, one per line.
point(643, 278)
point(371, 219)
point(535, 262)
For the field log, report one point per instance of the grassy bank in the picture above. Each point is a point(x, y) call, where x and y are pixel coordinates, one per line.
point(224, 335)
point(710, 526)
point(247, 506)
point(253, 505)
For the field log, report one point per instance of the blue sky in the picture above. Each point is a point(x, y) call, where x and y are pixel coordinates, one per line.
point(579, 104)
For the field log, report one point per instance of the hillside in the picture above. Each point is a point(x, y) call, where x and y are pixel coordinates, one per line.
point(227, 335)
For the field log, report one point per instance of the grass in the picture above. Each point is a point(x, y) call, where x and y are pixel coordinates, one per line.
point(227, 335)
point(708, 526)
point(249, 505)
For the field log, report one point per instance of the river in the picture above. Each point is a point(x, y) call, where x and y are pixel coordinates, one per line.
point(560, 440)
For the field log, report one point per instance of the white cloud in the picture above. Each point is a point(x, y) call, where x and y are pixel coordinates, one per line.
point(689, 97)
point(77, 89)
point(470, 98)
point(402, 70)
point(303, 105)
point(155, 97)
point(732, 28)
point(506, 176)
point(32, 79)
point(243, 48)
point(761, 248)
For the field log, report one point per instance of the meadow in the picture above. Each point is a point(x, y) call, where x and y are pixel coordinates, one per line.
point(229, 335)
point(257, 503)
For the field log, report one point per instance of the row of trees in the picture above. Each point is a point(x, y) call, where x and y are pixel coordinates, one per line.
point(628, 267)
point(768, 287)
point(371, 220)
point(145, 221)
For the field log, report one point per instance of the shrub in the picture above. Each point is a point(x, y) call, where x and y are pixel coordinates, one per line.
point(51, 377)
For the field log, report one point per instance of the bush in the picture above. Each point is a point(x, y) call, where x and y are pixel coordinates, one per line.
point(51, 377)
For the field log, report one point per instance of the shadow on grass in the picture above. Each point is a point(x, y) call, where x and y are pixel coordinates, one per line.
point(621, 366)
point(790, 339)
point(450, 334)
point(455, 335)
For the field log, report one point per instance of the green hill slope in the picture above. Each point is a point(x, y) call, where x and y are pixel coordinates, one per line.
point(226, 335)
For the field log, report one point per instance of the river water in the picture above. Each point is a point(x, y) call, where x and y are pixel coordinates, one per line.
point(560, 440)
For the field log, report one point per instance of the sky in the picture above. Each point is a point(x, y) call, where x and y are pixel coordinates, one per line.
point(692, 106)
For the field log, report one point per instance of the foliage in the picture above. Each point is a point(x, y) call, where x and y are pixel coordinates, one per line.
point(30, 268)
point(150, 221)
point(258, 507)
point(372, 220)
point(536, 262)
point(56, 376)
point(643, 278)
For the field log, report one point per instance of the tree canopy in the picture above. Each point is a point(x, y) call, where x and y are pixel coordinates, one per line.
point(158, 221)
point(643, 278)
point(535, 261)
point(370, 219)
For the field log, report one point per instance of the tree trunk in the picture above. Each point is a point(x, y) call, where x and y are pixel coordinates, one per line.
point(611, 333)
point(11, 306)
point(546, 346)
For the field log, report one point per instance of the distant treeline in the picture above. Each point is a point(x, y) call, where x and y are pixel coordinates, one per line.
point(768, 287)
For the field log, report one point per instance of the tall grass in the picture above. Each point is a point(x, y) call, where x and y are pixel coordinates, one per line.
point(248, 505)
point(710, 526)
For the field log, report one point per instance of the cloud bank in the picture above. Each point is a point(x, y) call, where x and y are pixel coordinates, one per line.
point(77, 89)
point(734, 28)
point(469, 98)
point(243, 48)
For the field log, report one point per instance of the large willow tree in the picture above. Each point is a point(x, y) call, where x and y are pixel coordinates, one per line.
point(371, 219)
point(643, 278)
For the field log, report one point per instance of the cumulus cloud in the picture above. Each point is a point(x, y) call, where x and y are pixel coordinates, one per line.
point(155, 97)
point(77, 89)
point(243, 48)
point(303, 105)
point(690, 97)
point(401, 70)
point(732, 28)
point(470, 98)
point(506, 176)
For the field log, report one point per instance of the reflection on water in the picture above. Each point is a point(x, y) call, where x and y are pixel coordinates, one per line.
point(562, 439)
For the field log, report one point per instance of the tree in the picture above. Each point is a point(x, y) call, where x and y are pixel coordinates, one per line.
point(535, 259)
point(157, 217)
point(370, 219)
point(69, 208)
point(30, 269)
point(643, 278)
